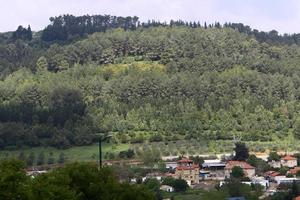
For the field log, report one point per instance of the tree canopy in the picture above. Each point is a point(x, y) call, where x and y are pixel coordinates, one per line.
point(212, 83)
point(77, 181)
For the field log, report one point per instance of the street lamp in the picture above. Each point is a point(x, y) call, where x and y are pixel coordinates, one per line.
point(101, 138)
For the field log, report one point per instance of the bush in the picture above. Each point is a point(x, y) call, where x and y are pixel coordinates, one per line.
point(156, 138)
point(138, 139)
point(126, 154)
point(237, 172)
point(180, 185)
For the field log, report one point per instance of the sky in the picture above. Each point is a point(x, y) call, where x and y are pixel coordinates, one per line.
point(265, 15)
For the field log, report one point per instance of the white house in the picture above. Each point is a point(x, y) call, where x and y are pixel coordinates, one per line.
point(167, 188)
point(284, 179)
point(171, 165)
point(288, 161)
point(275, 164)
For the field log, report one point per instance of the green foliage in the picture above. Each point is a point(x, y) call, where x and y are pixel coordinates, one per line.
point(260, 165)
point(40, 159)
point(126, 154)
point(14, 183)
point(234, 188)
point(78, 181)
point(273, 156)
point(168, 181)
point(22, 33)
point(241, 152)
point(237, 172)
point(61, 158)
point(31, 159)
point(174, 82)
point(180, 185)
point(283, 170)
point(197, 160)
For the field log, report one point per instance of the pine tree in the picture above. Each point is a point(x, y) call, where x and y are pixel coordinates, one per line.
point(41, 159)
point(29, 33)
point(241, 152)
point(61, 158)
point(22, 156)
point(30, 160)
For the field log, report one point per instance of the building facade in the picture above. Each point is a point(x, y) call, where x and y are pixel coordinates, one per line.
point(288, 161)
point(249, 170)
point(187, 171)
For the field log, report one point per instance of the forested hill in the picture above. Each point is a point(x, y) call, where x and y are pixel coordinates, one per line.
point(172, 82)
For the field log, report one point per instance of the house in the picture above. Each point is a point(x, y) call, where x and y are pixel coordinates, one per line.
point(294, 170)
point(213, 165)
point(171, 165)
point(261, 181)
point(187, 171)
point(288, 161)
point(249, 170)
point(255, 181)
point(270, 175)
point(166, 188)
point(275, 164)
point(284, 180)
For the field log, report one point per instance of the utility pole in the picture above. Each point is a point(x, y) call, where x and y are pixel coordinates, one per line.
point(100, 153)
point(101, 139)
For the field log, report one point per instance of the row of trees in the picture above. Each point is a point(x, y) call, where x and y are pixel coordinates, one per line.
point(73, 182)
point(22, 33)
point(68, 27)
point(36, 160)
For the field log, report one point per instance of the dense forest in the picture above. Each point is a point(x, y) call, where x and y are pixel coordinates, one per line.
point(91, 74)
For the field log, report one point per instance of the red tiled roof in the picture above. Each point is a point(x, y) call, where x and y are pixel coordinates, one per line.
point(187, 167)
point(184, 160)
point(294, 170)
point(241, 164)
point(297, 198)
point(272, 173)
point(169, 175)
point(288, 157)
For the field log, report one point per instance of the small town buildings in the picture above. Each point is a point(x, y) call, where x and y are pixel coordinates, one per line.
point(284, 180)
point(156, 175)
point(249, 170)
point(212, 170)
point(255, 181)
point(270, 175)
point(171, 165)
point(187, 171)
point(260, 181)
point(213, 165)
point(288, 161)
point(166, 188)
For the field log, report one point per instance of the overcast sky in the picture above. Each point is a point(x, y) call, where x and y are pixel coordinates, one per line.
point(281, 15)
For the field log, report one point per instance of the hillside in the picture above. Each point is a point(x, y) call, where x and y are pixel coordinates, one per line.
point(148, 84)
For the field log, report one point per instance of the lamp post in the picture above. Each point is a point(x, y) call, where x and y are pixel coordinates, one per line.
point(101, 139)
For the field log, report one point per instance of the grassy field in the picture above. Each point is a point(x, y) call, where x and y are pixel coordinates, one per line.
point(82, 153)
point(169, 148)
